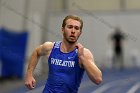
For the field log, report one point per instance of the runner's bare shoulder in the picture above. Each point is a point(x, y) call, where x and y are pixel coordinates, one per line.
point(48, 45)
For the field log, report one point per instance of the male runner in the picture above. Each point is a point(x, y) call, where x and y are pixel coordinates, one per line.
point(67, 60)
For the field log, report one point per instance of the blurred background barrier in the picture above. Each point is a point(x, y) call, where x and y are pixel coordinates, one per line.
point(29, 23)
point(12, 53)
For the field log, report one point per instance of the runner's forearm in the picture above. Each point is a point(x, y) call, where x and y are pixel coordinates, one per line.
point(32, 62)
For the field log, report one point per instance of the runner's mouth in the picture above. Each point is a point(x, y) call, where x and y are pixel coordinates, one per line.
point(72, 36)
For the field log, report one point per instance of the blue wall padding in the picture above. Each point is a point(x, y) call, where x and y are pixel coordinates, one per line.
point(12, 52)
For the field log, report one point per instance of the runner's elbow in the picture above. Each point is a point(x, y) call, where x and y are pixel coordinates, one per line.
point(98, 80)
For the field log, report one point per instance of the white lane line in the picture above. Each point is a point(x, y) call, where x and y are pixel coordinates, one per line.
point(107, 86)
point(36, 90)
point(134, 88)
point(112, 84)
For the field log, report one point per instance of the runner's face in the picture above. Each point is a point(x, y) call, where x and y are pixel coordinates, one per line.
point(71, 31)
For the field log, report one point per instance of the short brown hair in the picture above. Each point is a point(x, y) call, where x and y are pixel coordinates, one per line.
point(72, 17)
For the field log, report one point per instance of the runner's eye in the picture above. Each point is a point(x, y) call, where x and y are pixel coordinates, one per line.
point(70, 26)
point(77, 28)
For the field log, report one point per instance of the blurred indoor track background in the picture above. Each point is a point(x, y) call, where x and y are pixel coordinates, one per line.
point(25, 24)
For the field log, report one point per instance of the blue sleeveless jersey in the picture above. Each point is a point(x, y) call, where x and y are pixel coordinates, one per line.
point(64, 72)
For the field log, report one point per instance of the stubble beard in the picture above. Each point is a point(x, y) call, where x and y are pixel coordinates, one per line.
point(69, 41)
